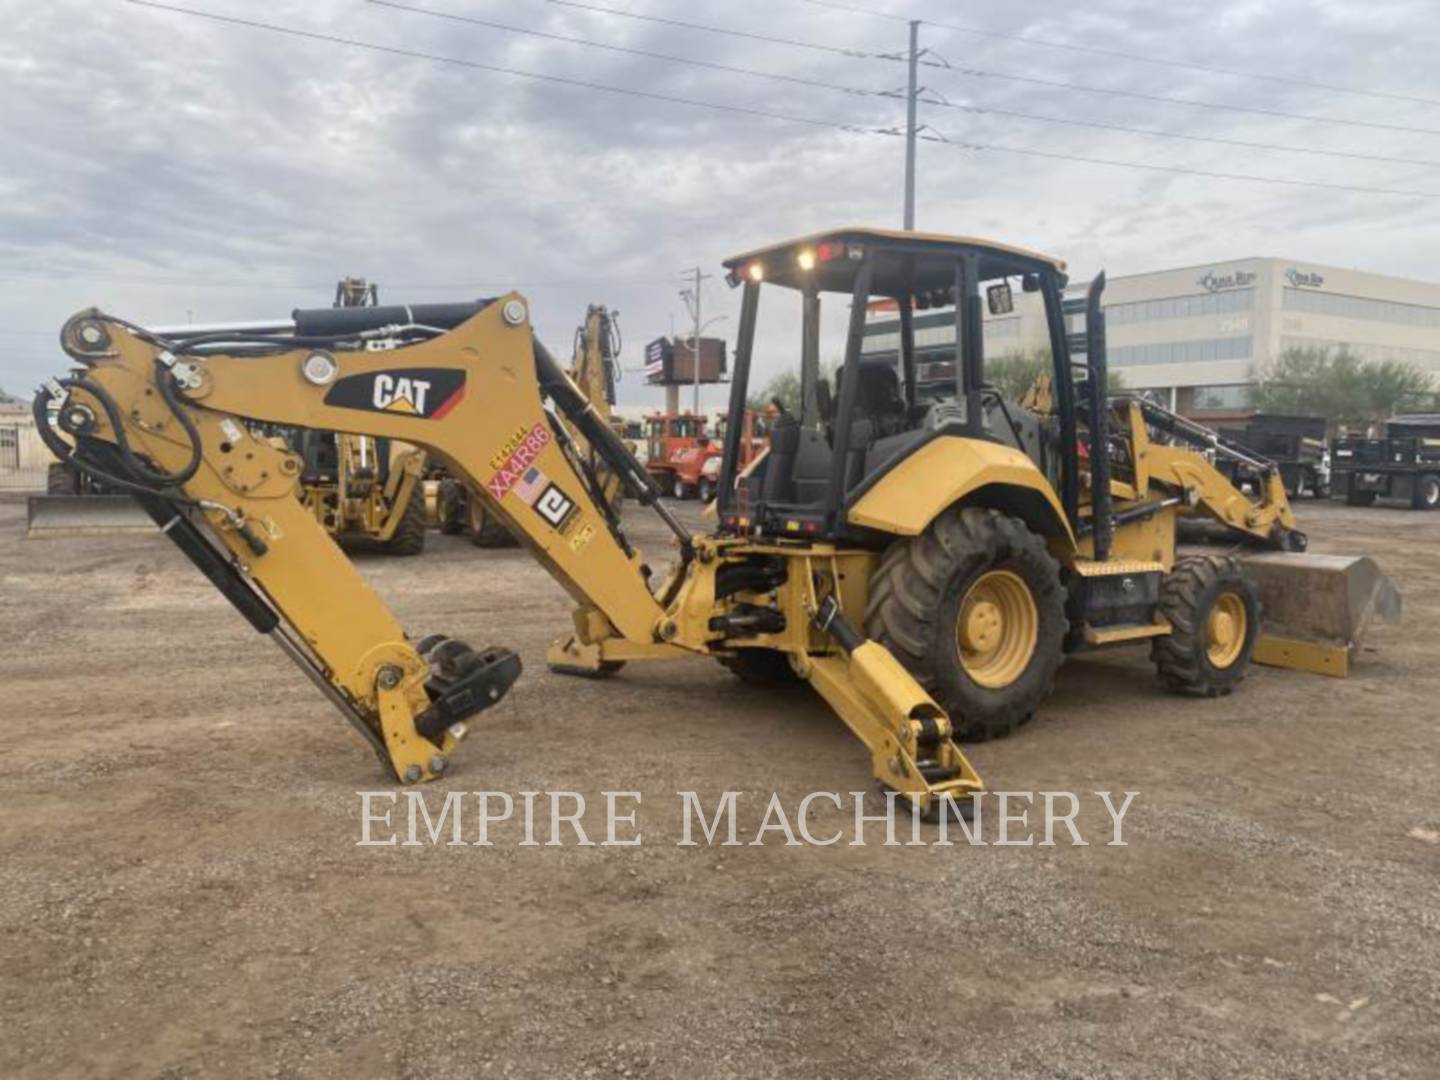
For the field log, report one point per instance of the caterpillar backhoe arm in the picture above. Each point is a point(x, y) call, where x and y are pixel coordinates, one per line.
point(165, 415)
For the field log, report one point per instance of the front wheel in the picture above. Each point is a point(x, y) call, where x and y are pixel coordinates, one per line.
point(973, 607)
point(706, 490)
point(679, 489)
point(1214, 616)
point(1427, 492)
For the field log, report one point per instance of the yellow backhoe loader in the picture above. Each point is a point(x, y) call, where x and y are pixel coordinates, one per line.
point(922, 565)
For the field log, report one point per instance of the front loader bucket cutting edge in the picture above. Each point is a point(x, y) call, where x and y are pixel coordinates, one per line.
point(85, 515)
point(1315, 609)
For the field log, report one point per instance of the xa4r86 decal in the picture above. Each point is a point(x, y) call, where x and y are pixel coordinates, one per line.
point(424, 393)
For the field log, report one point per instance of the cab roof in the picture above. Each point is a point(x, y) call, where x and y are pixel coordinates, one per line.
point(919, 263)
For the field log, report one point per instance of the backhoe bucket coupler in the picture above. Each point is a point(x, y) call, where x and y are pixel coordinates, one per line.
point(1316, 609)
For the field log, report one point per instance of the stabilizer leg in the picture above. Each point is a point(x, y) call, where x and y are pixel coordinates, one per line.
point(909, 736)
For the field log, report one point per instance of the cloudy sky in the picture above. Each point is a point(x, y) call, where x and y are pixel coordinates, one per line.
point(167, 167)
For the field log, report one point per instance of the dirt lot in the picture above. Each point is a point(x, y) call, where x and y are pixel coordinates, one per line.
point(181, 893)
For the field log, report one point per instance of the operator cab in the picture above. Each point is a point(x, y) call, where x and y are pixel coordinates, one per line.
point(916, 375)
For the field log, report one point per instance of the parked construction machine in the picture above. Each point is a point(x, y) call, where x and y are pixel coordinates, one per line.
point(923, 566)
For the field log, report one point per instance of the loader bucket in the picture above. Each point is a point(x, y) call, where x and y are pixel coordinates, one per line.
point(1315, 609)
point(85, 515)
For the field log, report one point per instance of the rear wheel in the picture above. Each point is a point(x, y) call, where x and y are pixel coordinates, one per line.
point(679, 489)
point(1360, 498)
point(409, 536)
point(706, 490)
point(974, 609)
point(486, 530)
point(1427, 492)
point(1214, 614)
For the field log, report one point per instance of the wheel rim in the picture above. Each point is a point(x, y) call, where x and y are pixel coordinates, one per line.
point(1432, 493)
point(997, 629)
point(1225, 631)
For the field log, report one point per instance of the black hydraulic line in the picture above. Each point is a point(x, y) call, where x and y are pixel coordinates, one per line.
point(1145, 510)
point(578, 410)
point(830, 620)
point(1199, 436)
point(1101, 521)
point(343, 321)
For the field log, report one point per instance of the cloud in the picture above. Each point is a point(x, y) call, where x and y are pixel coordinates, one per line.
point(164, 166)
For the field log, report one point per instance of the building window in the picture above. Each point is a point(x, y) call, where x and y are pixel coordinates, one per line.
point(1222, 397)
point(1181, 307)
point(1359, 307)
point(1208, 350)
point(9, 447)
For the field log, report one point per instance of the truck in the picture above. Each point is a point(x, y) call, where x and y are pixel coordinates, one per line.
point(1294, 444)
point(1403, 463)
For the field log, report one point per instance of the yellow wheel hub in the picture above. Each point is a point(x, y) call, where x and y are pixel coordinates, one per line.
point(997, 629)
point(1225, 631)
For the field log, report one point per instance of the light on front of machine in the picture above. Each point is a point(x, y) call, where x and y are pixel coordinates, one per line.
point(755, 271)
point(806, 259)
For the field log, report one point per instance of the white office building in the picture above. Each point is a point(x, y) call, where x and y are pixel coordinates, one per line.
point(1198, 337)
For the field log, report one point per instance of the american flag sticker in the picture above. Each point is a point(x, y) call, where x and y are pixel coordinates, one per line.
point(530, 486)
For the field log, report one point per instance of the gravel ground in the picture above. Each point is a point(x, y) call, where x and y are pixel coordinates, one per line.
point(182, 894)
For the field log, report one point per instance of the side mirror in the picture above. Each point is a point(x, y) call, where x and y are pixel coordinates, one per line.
point(999, 300)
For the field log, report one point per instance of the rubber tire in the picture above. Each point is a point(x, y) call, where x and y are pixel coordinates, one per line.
point(409, 536)
point(1187, 595)
point(1360, 498)
point(490, 532)
point(914, 603)
point(681, 491)
point(761, 667)
point(454, 506)
point(1427, 492)
point(61, 479)
point(705, 491)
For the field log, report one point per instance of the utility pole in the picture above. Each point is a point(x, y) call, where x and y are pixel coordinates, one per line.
point(691, 296)
point(911, 129)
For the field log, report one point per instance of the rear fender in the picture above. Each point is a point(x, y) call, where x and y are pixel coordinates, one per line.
point(949, 471)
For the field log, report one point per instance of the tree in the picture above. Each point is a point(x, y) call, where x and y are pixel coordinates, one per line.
point(1338, 385)
point(1012, 374)
point(784, 386)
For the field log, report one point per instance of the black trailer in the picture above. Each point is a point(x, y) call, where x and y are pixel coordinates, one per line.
point(1295, 444)
point(1404, 464)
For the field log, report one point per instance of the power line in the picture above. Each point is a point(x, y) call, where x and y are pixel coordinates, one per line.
point(745, 110)
point(1117, 54)
point(978, 73)
point(688, 61)
point(862, 92)
point(497, 69)
point(1156, 133)
point(711, 29)
point(1251, 109)
point(1176, 169)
